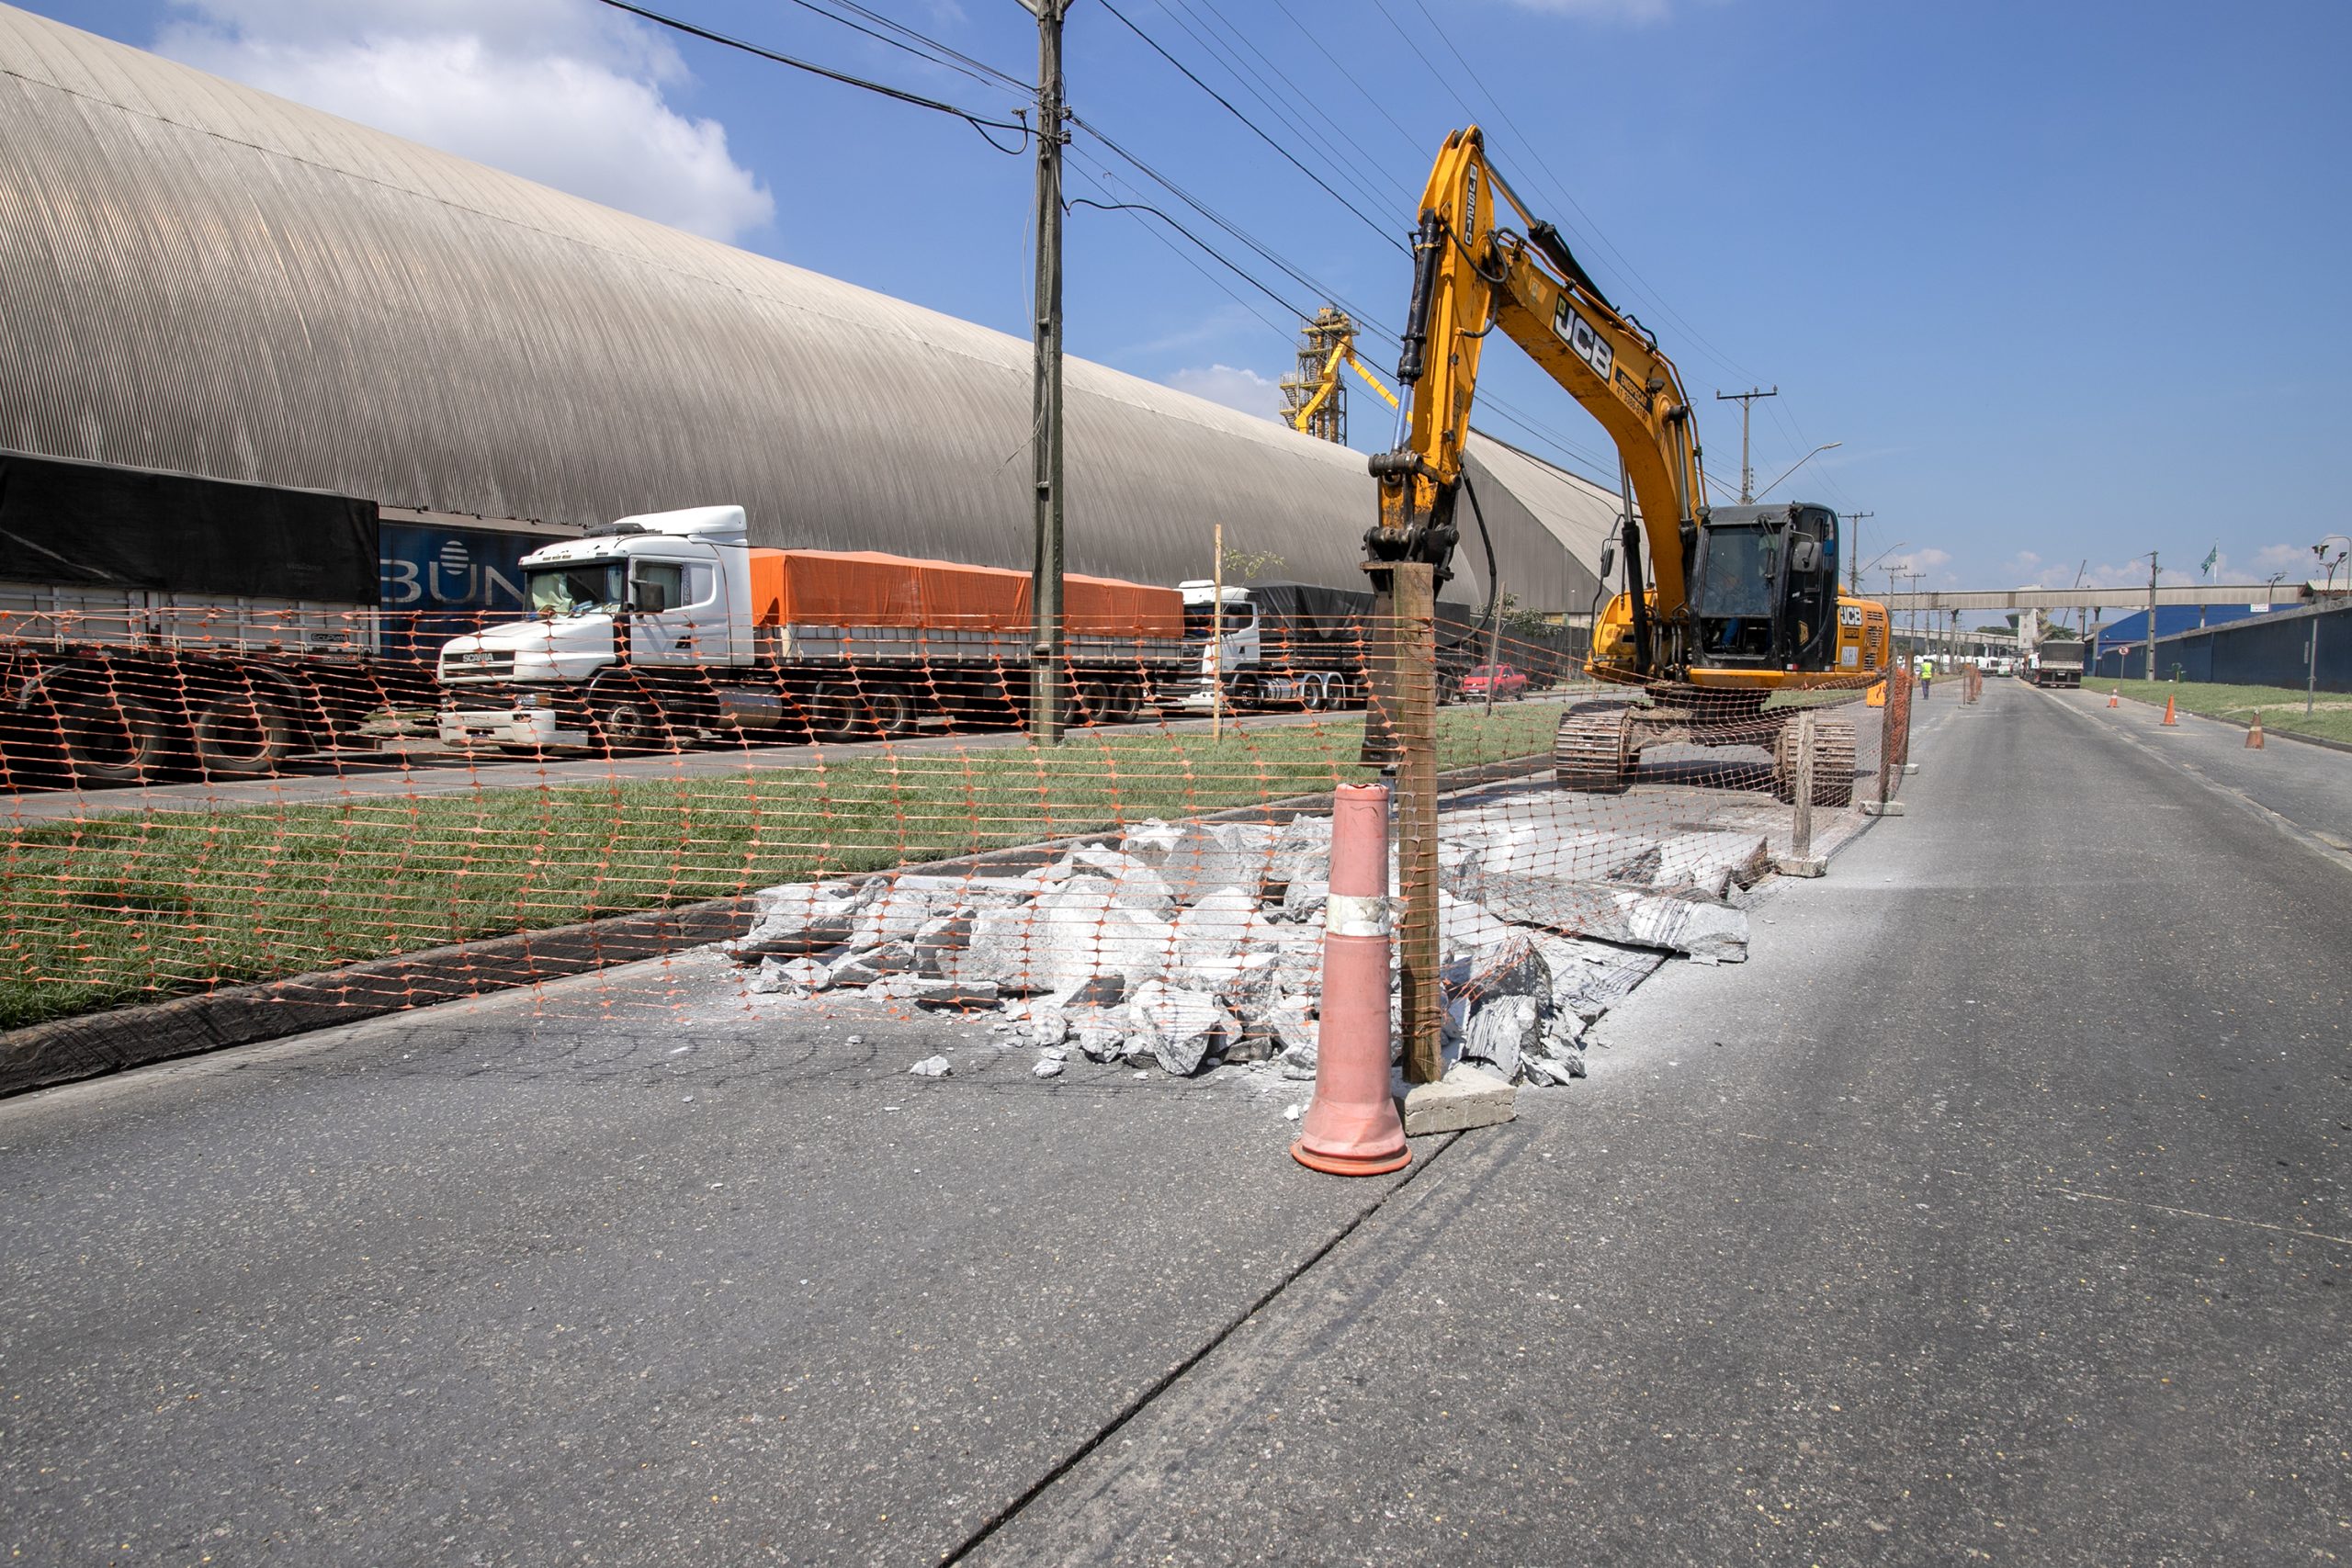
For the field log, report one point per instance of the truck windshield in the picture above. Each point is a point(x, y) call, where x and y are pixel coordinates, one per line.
point(576, 587)
point(1734, 573)
point(1237, 618)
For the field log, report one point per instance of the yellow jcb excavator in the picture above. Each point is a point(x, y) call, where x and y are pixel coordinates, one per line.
point(1741, 603)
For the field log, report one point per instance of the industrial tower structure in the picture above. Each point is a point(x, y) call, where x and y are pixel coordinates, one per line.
point(1319, 340)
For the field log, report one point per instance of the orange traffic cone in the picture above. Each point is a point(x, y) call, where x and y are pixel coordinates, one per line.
point(2115, 698)
point(1351, 1127)
point(2168, 716)
point(2253, 736)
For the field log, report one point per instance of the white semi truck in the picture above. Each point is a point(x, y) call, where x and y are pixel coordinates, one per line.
point(1299, 645)
point(671, 628)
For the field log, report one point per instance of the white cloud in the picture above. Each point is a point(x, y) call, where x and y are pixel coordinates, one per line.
point(1243, 390)
point(558, 91)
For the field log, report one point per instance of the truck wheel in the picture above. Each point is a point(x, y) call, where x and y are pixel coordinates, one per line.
point(1126, 697)
point(627, 716)
point(111, 738)
point(1314, 697)
point(241, 735)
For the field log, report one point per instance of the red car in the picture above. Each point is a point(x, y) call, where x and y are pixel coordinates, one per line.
point(1508, 682)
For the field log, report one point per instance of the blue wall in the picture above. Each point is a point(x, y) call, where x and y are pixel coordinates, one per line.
point(445, 582)
point(2263, 650)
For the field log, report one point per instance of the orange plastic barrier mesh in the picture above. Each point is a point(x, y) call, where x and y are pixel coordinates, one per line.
point(253, 816)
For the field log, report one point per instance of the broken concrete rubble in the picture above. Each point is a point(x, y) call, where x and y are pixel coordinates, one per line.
point(1190, 944)
point(1197, 858)
point(1179, 1028)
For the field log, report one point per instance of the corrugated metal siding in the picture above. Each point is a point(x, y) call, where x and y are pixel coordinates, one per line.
point(198, 276)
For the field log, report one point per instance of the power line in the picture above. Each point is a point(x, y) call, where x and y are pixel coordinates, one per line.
point(1560, 189)
point(1255, 129)
point(978, 122)
point(932, 51)
point(1015, 83)
point(1263, 251)
point(1345, 74)
point(1102, 179)
point(1361, 170)
point(1205, 248)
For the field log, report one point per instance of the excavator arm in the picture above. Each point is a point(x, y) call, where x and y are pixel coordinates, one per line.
point(1472, 278)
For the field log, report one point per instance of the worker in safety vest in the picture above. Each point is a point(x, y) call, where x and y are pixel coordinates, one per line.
point(1926, 678)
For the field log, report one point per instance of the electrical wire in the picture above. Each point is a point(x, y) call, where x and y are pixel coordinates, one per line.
point(1370, 222)
point(1362, 172)
point(931, 52)
point(979, 122)
point(950, 54)
point(1206, 249)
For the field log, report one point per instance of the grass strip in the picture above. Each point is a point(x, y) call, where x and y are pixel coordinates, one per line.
point(2281, 706)
point(134, 907)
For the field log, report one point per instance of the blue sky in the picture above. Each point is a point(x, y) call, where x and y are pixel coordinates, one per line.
point(2064, 278)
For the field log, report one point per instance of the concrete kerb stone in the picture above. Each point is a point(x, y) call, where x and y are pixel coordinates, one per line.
point(1463, 1099)
point(63, 1051)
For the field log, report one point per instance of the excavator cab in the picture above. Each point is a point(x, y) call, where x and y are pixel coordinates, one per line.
point(1764, 588)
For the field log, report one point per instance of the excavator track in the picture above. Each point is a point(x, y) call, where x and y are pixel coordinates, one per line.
point(1590, 750)
point(1833, 761)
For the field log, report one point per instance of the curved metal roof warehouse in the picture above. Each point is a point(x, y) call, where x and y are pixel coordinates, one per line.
point(199, 277)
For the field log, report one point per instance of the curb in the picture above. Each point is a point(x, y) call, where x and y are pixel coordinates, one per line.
point(67, 1050)
point(2345, 746)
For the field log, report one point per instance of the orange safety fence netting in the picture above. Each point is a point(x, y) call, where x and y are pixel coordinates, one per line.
point(255, 810)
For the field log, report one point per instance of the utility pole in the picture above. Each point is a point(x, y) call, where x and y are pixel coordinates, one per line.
point(1046, 643)
point(1746, 401)
point(2152, 615)
point(1854, 570)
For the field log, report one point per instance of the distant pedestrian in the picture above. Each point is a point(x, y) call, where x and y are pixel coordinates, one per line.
point(1926, 679)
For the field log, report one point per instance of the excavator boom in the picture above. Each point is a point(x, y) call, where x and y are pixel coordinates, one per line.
point(1474, 275)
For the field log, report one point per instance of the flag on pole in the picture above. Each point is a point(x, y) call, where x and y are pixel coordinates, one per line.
point(2211, 557)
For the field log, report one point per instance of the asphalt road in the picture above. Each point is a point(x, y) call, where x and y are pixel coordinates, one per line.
point(1995, 1210)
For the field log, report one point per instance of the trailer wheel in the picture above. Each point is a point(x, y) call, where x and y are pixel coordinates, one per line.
point(836, 711)
point(242, 734)
point(890, 711)
point(1126, 697)
point(1093, 700)
point(1313, 694)
point(109, 738)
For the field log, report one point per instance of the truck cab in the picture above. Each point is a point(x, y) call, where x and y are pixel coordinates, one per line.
point(663, 590)
point(1240, 651)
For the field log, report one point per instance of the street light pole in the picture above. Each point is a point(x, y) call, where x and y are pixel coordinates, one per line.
point(2311, 668)
point(1793, 468)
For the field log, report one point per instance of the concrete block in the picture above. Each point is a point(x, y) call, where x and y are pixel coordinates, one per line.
point(1463, 1099)
point(1882, 808)
point(1800, 865)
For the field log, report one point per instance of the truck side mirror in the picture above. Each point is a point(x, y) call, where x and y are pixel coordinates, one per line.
point(1804, 557)
point(647, 598)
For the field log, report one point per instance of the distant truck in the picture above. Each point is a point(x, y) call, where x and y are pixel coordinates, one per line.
point(1297, 645)
point(2057, 662)
point(671, 627)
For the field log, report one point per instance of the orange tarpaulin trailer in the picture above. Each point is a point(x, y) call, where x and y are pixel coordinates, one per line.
point(866, 587)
